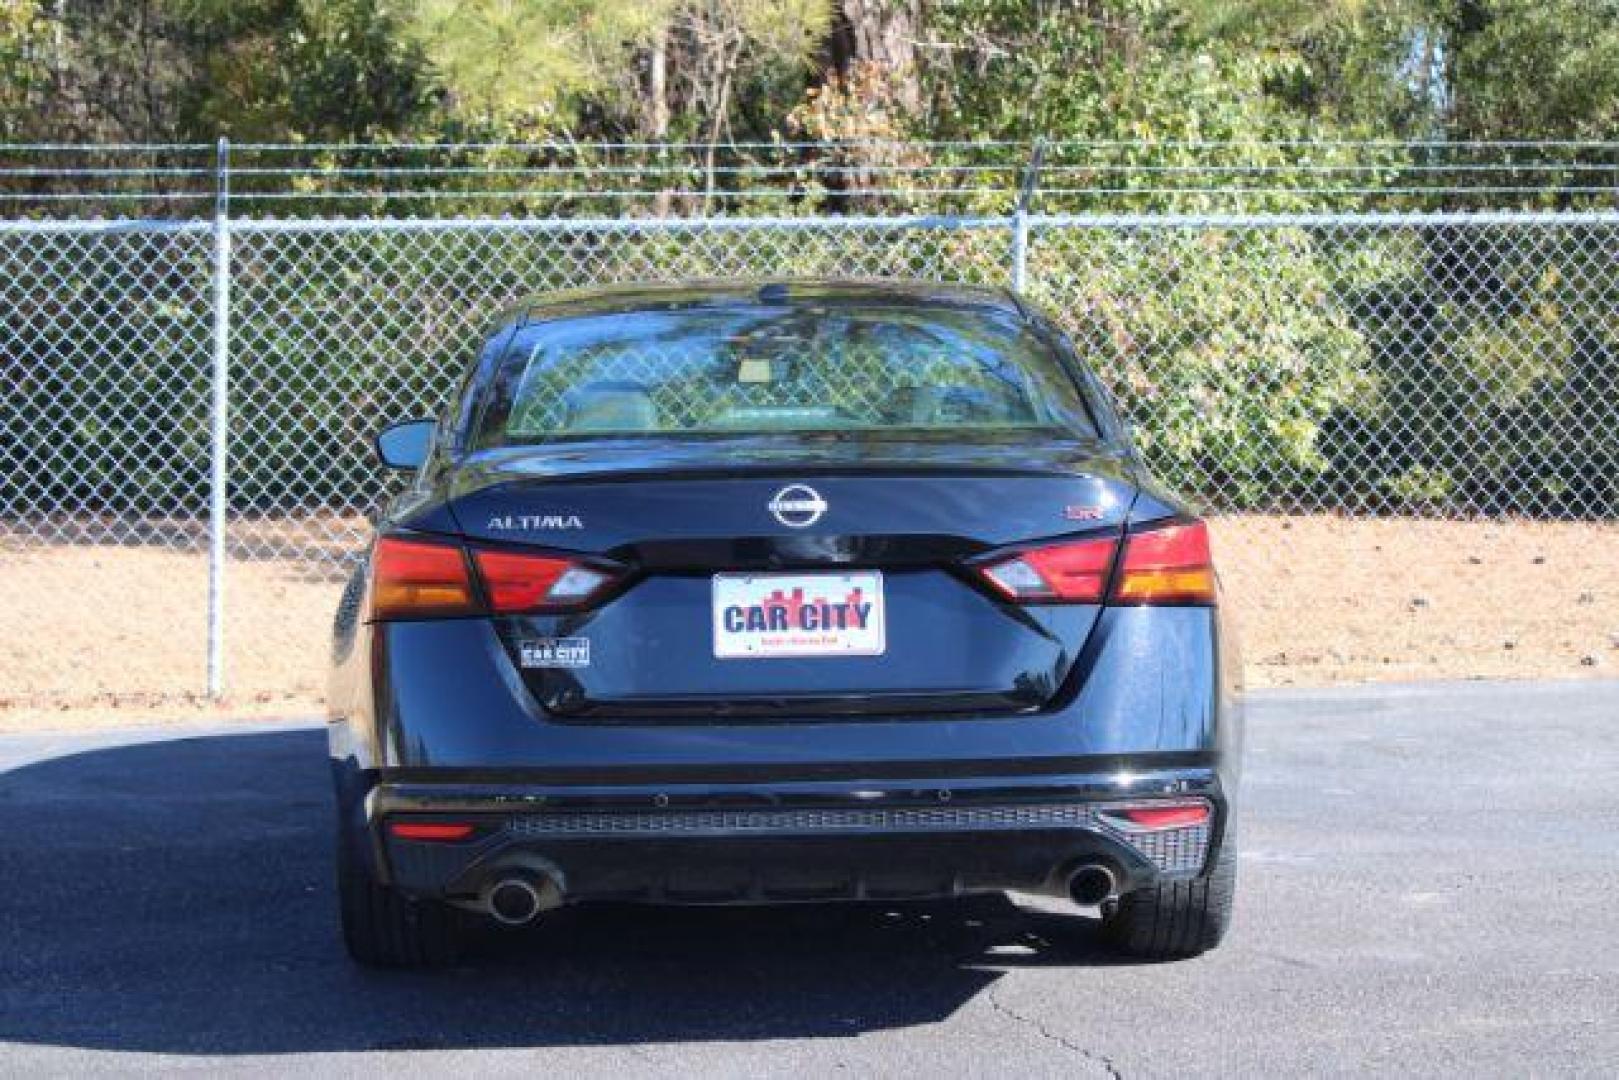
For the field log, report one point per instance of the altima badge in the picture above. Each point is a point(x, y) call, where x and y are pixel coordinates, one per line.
point(797, 506)
point(531, 522)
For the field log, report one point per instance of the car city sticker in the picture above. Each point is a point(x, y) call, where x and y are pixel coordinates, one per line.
point(562, 652)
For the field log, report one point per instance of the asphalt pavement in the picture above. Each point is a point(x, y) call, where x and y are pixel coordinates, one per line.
point(1429, 885)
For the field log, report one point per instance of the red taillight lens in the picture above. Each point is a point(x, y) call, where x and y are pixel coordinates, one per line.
point(1170, 565)
point(1167, 565)
point(517, 582)
point(415, 579)
point(1074, 573)
point(426, 579)
point(443, 831)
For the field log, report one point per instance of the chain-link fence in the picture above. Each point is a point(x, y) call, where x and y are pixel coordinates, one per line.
point(1284, 370)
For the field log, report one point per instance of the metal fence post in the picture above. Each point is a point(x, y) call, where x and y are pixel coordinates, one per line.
point(218, 442)
point(1020, 216)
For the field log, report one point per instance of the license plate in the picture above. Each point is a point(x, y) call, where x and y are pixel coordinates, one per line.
point(763, 615)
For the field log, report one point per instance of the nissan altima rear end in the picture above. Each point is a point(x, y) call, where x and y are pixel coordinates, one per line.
point(731, 594)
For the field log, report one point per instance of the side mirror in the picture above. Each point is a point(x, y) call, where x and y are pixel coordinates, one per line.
point(405, 446)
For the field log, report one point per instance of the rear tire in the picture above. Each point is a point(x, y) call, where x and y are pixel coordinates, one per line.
point(382, 927)
point(1174, 920)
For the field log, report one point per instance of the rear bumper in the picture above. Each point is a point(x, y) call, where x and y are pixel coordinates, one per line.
point(750, 809)
point(790, 841)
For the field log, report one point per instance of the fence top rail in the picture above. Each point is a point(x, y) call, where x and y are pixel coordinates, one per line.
point(1328, 219)
point(106, 226)
point(327, 171)
point(703, 146)
point(769, 223)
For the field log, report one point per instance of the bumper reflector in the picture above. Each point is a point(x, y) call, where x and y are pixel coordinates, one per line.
point(1153, 818)
point(446, 831)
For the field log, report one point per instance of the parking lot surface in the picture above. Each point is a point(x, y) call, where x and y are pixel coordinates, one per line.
point(1429, 884)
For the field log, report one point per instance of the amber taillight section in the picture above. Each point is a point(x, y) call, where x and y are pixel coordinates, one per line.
point(419, 579)
point(1167, 565)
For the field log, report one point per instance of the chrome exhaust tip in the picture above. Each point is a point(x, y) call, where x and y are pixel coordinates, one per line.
point(516, 900)
point(513, 902)
point(1092, 884)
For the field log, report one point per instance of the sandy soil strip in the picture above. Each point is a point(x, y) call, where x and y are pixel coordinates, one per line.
point(97, 634)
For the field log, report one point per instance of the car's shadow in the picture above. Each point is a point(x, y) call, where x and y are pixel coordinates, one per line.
point(175, 897)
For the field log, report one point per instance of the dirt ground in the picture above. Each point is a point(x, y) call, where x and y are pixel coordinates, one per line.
point(1323, 600)
point(93, 635)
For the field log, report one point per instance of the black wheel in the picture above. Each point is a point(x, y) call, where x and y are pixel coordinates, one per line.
point(383, 927)
point(1177, 919)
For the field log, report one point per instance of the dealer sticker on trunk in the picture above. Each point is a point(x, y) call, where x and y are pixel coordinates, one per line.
point(764, 615)
point(558, 652)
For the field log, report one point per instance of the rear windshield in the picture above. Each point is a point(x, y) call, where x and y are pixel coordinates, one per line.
point(798, 368)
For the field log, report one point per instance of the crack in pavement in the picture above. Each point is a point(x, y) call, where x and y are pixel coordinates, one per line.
point(1046, 1033)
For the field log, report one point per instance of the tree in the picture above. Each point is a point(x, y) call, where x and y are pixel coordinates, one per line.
point(726, 41)
point(1455, 70)
point(1099, 69)
point(529, 67)
point(322, 70)
point(23, 68)
point(188, 70)
point(1567, 51)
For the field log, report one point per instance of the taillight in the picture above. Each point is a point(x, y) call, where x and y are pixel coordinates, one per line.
point(516, 582)
point(1074, 573)
point(430, 579)
point(415, 579)
point(1169, 565)
point(1164, 565)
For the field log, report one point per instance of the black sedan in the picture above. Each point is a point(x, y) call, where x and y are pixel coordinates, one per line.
point(797, 592)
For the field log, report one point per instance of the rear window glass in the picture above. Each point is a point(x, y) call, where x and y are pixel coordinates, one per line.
point(753, 370)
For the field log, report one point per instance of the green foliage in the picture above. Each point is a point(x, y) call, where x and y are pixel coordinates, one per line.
point(1497, 375)
point(22, 67)
point(314, 70)
point(1549, 68)
point(526, 67)
point(1458, 69)
point(104, 349)
point(1118, 69)
point(1133, 70)
point(190, 70)
point(1223, 347)
point(533, 68)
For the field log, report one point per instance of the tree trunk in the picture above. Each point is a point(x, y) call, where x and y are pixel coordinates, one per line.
point(882, 34)
point(655, 113)
point(655, 121)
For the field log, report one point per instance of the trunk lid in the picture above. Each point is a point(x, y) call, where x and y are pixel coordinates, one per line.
point(704, 529)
